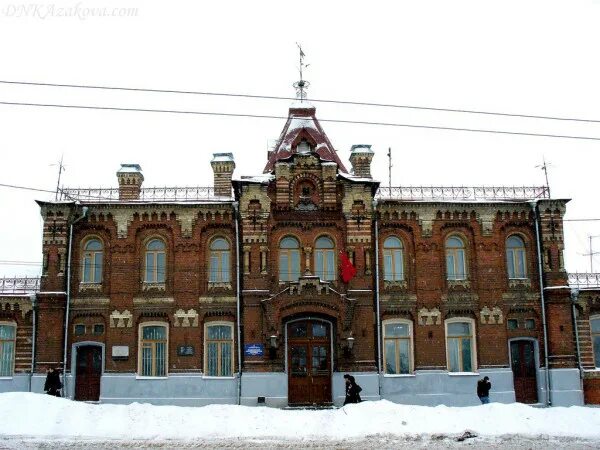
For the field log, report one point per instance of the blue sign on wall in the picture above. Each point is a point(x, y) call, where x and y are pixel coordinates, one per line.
point(254, 349)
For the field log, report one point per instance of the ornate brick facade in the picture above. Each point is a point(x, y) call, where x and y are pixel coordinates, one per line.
point(307, 195)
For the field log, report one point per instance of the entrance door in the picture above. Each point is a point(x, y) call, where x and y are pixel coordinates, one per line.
point(88, 372)
point(309, 363)
point(524, 373)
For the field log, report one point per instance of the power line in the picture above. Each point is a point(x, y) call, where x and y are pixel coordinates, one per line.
point(274, 97)
point(25, 188)
point(265, 116)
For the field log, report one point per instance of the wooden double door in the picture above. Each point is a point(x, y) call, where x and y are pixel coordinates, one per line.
point(309, 362)
point(522, 356)
point(88, 373)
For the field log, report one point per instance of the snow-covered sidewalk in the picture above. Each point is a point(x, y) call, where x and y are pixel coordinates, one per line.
point(42, 416)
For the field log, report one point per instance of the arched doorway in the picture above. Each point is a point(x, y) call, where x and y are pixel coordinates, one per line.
point(309, 361)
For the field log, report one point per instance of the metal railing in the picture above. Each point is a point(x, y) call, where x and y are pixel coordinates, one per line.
point(584, 280)
point(19, 285)
point(463, 193)
point(152, 194)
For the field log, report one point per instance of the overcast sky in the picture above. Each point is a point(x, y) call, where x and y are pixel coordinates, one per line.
point(538, 58)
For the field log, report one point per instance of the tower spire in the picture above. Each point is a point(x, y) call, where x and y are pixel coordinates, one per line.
point(301, 85)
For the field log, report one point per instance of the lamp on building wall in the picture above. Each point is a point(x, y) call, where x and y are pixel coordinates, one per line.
point(273, 341)
point(349, 345)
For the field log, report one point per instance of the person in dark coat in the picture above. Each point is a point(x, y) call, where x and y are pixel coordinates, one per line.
point(483, 390)
point(53, 384)
point(352, 390)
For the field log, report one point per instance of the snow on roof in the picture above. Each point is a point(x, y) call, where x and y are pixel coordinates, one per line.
point(222, 157)
point(361, 148)
point(263, 178)
point(302, 105)
point(130, 168)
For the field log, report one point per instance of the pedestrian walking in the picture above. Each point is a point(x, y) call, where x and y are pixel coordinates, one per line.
point(53, 384)
point(352, 390)
point(483, 390)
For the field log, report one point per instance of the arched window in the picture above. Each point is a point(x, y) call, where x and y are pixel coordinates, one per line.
point(219, 265)
point(218, 349)
point(393, 259)
point(397, 346)
point(325, 259)
point(289, 259)
point(595, 327)
point(456, 266)
point(154, 350)
point(92, 262)
point(516, 261)
point(460, 345)
point(8, 332)
point(155, 262)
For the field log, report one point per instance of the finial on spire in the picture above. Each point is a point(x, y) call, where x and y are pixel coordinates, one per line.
point(301, 85)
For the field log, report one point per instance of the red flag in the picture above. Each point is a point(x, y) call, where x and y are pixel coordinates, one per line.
point(347, 268)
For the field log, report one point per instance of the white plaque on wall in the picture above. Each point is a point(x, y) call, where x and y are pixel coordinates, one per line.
point(120, 351)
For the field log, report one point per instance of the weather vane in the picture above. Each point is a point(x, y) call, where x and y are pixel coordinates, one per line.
point(301, 85)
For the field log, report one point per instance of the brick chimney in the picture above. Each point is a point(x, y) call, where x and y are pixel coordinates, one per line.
point(223, 165)
point(360, 158)
point(130, 181)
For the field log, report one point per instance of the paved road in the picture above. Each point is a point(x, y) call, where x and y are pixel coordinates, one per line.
point(370, 442)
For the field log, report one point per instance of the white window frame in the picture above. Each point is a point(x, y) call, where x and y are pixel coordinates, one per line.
point(141, 326)
point(390, 252)
point(592, 334)
point(207, 325)
point(473, 345)
point(454, 251)
point(92, 258)
point(14, 341)
point(289, 273)
point(411, 351)
point(155, 268)
point(514, 258)
point(221, 269)
point(325, 252)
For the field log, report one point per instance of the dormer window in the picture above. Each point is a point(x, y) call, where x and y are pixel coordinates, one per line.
point(303, 147)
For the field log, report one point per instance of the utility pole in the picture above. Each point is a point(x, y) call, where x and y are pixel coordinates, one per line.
point(61, 167)
point(390, 167)
point(592, 253)
point(544, 167)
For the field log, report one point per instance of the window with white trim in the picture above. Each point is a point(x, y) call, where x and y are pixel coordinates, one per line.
point(218, 349)
point(155, 266)
point(8, 333)
point(289, 259)
point(397, 346)
point(325, 259)
point(456, 264)
point(91, 267)
point(460, 345)
point(219, 262)
point(516, 261)
point(595, 328)
point(393, 259)
point(153, 349)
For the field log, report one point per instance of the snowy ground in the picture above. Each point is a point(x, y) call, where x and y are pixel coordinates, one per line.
point(39, 421)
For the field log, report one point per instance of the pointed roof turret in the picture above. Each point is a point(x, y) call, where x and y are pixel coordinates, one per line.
point(302, 125)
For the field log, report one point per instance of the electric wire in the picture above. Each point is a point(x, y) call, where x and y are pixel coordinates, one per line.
point(266, 116)
point(317, 100)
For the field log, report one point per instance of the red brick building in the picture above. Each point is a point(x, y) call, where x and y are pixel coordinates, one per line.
point(234, 293)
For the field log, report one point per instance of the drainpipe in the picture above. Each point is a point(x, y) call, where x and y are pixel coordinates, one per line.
point(534, 207)
point(375, 222)
point(84, 211)
point(574, 297)
point(34, 335)
point(238, 300)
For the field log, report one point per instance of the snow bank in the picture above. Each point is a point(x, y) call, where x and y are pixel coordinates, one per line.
point(25, 414)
